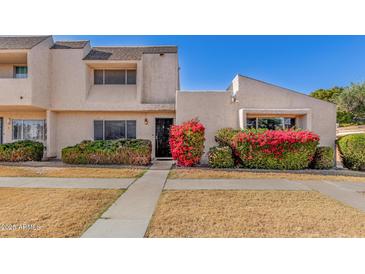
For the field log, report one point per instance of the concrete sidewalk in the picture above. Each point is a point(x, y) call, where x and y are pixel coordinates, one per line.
point(129, 216)
point(238, 184)
point(49, 182)
point(346, 195)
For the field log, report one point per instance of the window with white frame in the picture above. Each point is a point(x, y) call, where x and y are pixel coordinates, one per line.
point(29, 129)
point(114, 129)
point(273, 123)
point(115, 76)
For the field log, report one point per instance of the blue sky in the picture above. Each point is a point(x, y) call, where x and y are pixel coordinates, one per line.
point(301, 63)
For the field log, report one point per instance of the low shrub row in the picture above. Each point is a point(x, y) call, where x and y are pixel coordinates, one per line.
point(224, 136)
point(269, 149)
point(21, 151)
point(122, 151)
point(352, 150)
point(276, 149)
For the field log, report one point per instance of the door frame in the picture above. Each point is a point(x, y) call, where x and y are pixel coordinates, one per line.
point(156, 136)
point(1, 129)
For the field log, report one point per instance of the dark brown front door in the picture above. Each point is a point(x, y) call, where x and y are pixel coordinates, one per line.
point(162, 136)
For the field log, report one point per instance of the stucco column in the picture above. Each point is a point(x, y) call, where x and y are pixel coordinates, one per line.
point(51, 134)
point(242, 118)
point(309, 120)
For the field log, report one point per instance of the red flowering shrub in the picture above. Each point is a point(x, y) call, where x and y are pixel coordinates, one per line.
point(276, 149)
point(187, 142)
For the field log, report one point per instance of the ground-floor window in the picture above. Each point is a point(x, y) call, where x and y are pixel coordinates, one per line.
point(114, 129)
point(273, 123)
point(29, 130)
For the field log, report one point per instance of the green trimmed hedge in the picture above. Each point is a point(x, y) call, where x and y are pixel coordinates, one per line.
point(21, 151)
point(220, 157)
point(323, 158)
point(275, 149)
point(122, 151)
point(224, 136)
point(352, 149)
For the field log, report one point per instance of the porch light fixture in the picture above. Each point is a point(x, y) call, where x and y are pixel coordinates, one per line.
point(146, 121)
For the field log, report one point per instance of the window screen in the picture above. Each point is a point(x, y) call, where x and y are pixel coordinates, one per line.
point(98, 130)
point(21, 72)
point(274, 123)
point(131, 129)
point(289, 123)
point(33, 129)
point(114, 130)
point(98, 77)
point(251, 123)
point(111, 130)
point(131, 77)
point(28, 130)
point(114, 77)
point(17, 129)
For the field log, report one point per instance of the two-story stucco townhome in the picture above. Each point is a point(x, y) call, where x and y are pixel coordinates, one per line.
point(64, 92)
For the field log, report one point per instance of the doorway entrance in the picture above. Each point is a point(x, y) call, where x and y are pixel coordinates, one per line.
point(162, 137)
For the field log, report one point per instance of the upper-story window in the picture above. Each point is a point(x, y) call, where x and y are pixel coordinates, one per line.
point(115, 76)
point(20, 72)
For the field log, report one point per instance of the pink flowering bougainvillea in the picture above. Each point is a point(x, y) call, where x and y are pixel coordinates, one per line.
point(275, 149)
point(187, 143)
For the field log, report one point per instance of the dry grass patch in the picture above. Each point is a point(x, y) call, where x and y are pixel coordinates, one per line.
point(236, 213)
point(221, 174)
point(70, 172)
point(51, 212)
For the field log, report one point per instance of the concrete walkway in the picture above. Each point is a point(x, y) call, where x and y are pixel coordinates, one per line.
point(49, 182)
point(248, 184)
point(334, 190)
point(129, 216)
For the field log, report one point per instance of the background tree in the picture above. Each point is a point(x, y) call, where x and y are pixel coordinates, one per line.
point(352, 100)
point(329, 95)
point(332, 95)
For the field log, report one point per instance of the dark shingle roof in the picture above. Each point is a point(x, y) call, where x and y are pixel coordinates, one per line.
point(126, 53)
point(20, 42)
point(70, 44)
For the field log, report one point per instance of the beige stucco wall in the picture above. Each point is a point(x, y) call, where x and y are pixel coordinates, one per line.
point(257, 94)
point(39, 73)
point(74, 127)
point(70, 78)
point(73, 88)
point(160, 78)
point(8, 116)
point(6, 70)
point(216, 109)
point(14, 92)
